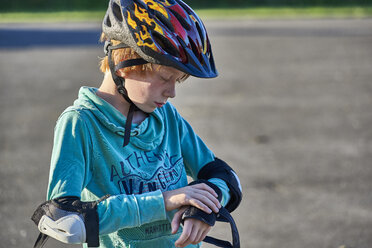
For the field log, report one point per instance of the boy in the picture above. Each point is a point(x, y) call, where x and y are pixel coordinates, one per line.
point(121, 153)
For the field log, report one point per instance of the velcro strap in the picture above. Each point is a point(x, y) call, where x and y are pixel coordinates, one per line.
point(40, 241)
point(225, 216)
point(59, 206)
point(196, 213)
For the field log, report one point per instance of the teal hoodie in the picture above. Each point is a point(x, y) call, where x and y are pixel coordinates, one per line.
point(89, 161)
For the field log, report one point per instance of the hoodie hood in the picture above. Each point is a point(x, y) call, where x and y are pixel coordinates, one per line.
point(146, 136)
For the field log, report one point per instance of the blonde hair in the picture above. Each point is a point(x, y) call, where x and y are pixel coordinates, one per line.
point(121, 54)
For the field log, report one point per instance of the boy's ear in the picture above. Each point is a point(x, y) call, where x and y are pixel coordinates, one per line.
point(121, 73)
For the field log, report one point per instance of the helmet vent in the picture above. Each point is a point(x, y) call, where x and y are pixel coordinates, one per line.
point(182, 20)
point(194, 49)
point(201, 35)
point(117, 12)
point(164, 21)
point(165, 44)
point(185, 7)
point(171, 2)
point(107, 21)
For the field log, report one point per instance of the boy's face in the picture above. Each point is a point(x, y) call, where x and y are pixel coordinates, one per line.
point(152, 89)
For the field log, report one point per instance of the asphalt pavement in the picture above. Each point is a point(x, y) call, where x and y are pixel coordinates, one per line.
point(291, 111)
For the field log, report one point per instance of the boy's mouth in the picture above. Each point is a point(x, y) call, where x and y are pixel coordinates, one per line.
point(159, 104)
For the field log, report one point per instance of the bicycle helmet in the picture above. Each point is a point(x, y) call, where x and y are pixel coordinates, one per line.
point(164, 32)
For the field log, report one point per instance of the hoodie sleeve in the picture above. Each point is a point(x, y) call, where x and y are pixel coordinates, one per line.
point(126, 211)
point(196, 154)
point(70, 173)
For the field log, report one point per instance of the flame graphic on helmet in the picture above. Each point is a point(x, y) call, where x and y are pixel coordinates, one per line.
point(130, 21)
point(205, 46)
point(141, 39)
point(193, 18)
point(142, 15)
point(143, 36)
point(165, 2)
point(157, 7)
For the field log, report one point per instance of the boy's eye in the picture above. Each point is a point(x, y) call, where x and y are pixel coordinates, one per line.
point(164, 78)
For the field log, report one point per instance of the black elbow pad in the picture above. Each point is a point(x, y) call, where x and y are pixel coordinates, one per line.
point(59, 208)
point(219, 169)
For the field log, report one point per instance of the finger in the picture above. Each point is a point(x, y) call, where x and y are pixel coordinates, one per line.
point(198, 204)
point(194, 233)
point(209, 196)
point(206, 201)
point(198, 228)
point(198, 238)
point(187, 228)
point(204, 186)
point(202, 237)
point(176, 221)
point(204, 233)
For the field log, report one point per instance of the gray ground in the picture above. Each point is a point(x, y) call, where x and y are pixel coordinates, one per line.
point(291, 111)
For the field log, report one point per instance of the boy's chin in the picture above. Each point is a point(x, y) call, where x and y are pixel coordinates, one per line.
point(147, 110)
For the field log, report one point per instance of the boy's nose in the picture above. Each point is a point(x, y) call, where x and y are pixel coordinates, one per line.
point(170, 91)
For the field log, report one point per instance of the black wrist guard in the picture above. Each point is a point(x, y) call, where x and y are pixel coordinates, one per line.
point(196, 213)
point(223, 215)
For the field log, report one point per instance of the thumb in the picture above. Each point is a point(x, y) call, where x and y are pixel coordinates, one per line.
point(176, 221)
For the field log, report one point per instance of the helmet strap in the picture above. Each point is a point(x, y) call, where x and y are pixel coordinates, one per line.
point(120, 84)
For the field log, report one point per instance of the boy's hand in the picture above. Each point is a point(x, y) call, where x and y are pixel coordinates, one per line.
point(194, 231)
point(199, 195)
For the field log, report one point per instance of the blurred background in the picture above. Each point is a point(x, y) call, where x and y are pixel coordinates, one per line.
point(291, 112)
point(46, 5)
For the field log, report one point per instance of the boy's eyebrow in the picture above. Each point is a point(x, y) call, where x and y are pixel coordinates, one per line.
point(169, 74)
